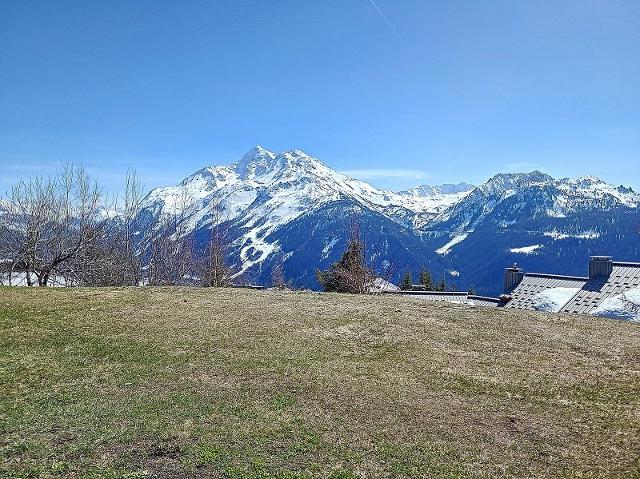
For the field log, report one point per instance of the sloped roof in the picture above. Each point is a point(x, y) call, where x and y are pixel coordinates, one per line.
point(486, 301)
point(624, 276)
point(535, 283)
point(448, 296)
point(460, 297)
point(589, 293)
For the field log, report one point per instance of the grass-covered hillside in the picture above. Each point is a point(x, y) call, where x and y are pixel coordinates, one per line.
point(182, 383)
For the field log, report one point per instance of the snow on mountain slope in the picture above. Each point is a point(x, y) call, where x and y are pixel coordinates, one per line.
point(535, 204)
point(264, 191)
point(429, 201)
point(542, 223)
point(298, 177)
point(454, 241)
point(509, 199)
point(589, 189)
point(267, 197)
point(438, 190)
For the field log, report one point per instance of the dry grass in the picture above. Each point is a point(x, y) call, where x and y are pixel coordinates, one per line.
point(174, 382)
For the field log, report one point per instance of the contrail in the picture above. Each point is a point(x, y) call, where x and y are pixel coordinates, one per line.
point(391, 27)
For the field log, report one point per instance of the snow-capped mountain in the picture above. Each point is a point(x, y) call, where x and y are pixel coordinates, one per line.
point(263, 191)
point(438, 190)
point(542, 223)
point(539, 194)
point(291, 207)
point(292, 181)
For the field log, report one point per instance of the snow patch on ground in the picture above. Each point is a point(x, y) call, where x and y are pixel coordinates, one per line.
point(444, 250)
point(625, 306)
point(553, 299)
point(255, 249)
point(556, 213)
point(20, 279)
point(527, 249)
point(329, 246)
point(557, 235)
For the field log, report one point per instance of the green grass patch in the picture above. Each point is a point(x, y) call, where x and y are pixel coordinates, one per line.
point(177, 382)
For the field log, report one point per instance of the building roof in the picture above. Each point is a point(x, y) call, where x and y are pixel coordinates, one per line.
point(623, 277)
point(484, 301)
point(552, 292)
point(533, 284)
point(459, 297)
point(448, 296)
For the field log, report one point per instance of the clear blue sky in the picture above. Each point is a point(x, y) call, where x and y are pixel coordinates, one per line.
point(418, 92)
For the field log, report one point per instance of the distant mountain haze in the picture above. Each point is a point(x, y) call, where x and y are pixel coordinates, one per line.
point(446, 189)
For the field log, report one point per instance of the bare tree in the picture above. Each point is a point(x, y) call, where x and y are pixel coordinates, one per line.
point(51, 222)
point(26, 209)
point(170, 244)
point(277, 275)
point(183, 238)
point(215, 270)
point(11, 244)
point(132, 237)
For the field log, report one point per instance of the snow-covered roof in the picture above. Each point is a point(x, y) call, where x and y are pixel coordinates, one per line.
point(614, 293)
point(624, 306)
point(527, 294)
point(623, 277)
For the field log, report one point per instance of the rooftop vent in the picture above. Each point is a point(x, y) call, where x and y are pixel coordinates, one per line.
point(512, 277)
point(600, 266)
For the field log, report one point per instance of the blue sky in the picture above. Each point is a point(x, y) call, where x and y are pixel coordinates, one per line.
point(407, 93)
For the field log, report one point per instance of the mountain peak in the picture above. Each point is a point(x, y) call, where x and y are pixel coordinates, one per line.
point(531, 176)
point(588, 181)
point(299, 161)
point(297, 152)
point(297, 155)
point(257, 152)
point(508, 181)
point(256, 161)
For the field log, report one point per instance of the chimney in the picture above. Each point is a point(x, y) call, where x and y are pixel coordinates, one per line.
point(512, 278)
point(600, 266)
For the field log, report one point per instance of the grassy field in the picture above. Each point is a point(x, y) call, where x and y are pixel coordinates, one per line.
point(171, 382)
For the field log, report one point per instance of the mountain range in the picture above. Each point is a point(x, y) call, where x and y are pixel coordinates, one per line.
point(291, 209)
